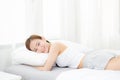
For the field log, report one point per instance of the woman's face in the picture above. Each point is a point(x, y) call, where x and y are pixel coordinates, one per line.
point(39, 46)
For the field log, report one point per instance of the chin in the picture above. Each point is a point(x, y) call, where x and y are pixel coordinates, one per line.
point(46, 51)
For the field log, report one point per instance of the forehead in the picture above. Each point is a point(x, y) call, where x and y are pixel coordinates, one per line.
point(33, 43)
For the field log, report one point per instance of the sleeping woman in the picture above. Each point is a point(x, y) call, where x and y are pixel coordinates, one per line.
point(71, 56)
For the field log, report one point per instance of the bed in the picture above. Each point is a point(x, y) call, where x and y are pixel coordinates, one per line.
point(30, 73)
point(89, 74)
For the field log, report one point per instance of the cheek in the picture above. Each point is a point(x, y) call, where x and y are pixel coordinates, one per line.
point(40, 49)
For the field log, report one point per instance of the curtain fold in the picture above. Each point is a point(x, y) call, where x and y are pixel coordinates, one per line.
point(110, 23)
point(94, 23)
point(68, 19)
point(12, 21)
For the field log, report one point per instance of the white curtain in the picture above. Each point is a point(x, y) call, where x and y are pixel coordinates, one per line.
point(12, 21)
point(93, 23)
point(110, 23)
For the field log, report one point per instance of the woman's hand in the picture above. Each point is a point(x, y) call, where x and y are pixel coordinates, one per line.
point(55, 50)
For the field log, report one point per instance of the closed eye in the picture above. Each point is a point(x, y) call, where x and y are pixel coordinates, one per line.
point(38, 44)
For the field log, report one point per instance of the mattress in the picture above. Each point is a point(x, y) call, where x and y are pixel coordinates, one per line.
point(8, 76)
point(30, 73)
point(89, 74)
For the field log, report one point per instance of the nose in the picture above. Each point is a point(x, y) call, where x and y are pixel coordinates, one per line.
point(39, 49)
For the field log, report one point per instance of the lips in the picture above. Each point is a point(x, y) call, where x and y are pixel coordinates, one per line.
point(45, 49)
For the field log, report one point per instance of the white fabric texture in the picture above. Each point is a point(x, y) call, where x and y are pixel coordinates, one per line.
point(83, 21)
point(89, 74)
point(24, 56)
point(8, 76)
point(71, 57)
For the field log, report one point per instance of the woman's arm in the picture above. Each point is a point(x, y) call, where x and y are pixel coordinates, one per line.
point(53, 54)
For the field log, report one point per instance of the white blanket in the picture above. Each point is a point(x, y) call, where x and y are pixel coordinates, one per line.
point(89, 74)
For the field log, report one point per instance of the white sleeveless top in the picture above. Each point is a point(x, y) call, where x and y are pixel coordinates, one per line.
point(71, 57)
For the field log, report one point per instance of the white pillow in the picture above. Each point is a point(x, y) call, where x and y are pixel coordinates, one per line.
point(24, 56)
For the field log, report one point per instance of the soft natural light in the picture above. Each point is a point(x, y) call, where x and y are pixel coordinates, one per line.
point(51, 19)
point(12, 21)
point(16, 23)
point(94, 23)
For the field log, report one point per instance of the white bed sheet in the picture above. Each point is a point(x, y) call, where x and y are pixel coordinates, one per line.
point(89, 74)
point(8, 76)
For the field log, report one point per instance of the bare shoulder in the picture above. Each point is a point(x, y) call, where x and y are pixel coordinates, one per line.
point(58, 46)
